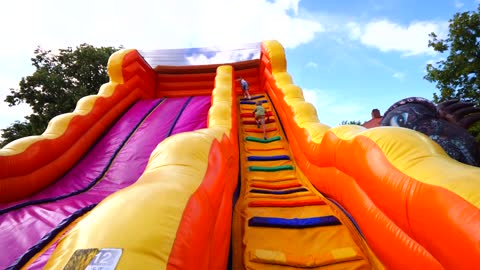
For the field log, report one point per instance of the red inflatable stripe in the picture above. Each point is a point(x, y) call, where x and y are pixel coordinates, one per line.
point(275, 187)
point(252, 115)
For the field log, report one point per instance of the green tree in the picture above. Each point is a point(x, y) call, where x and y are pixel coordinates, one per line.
point(354, 122)
point(458, 75)
point(58, 82)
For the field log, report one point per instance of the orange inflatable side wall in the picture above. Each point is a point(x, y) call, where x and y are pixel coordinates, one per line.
point(204, 233)
point(185, 84)
point(251, 76)
point(197, 80)
point(403, 220)
point(436, 218)
point(377, 228)
point(27, 171)
point(422, 221)
point(136, 69)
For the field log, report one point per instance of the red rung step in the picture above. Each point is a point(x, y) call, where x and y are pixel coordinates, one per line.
point(275, 187)
point(253, 115)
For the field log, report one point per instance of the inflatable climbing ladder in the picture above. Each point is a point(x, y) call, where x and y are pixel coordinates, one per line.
point(280, 220)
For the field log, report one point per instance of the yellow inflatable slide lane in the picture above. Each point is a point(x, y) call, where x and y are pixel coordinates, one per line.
point(416, 207)
point(281, 221)
point(178, 214)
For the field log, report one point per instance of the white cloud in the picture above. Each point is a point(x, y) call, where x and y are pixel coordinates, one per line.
point(311, 65)
point(289, 4)
point(388, 36)
point(221, 55)
point(398, 75)
point(317, 97)
point(431, 62)
point(10, 114)
point(354, 30)
point(435, 60)
point(152, 24)
point(459, 4)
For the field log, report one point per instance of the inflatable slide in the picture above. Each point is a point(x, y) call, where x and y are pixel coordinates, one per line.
point(165, 168)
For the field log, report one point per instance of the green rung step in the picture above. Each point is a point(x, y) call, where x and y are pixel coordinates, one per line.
point(270, 169)
point(260, 140)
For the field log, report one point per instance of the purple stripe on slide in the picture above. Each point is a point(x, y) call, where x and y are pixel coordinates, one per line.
point(194, 117)
point(23, 228)
point(97, 158)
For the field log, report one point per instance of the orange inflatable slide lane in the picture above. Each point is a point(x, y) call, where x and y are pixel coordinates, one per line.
point(280, 220)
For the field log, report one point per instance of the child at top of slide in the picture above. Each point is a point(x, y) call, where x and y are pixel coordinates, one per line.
point(260, 117)
point(244, 85)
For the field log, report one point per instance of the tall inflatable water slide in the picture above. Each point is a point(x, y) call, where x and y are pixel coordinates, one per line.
point(165, 168)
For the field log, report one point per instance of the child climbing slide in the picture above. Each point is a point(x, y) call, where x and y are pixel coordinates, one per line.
point(259, 113)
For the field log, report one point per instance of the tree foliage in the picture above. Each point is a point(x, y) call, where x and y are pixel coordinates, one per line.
point(457, 76)
point(59, 81)
point(351, 122)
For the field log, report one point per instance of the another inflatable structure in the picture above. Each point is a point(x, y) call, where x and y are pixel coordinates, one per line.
point(166, 169)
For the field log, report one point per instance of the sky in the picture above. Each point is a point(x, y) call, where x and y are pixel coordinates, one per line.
point(348, 56)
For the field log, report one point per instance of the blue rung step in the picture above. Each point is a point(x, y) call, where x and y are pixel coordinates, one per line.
point(293, 223)
point(278, 192)
point(252, 102)
point(268, 158)
point(253, 97)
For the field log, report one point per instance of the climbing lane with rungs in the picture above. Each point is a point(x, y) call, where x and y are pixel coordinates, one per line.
point(280, 221)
